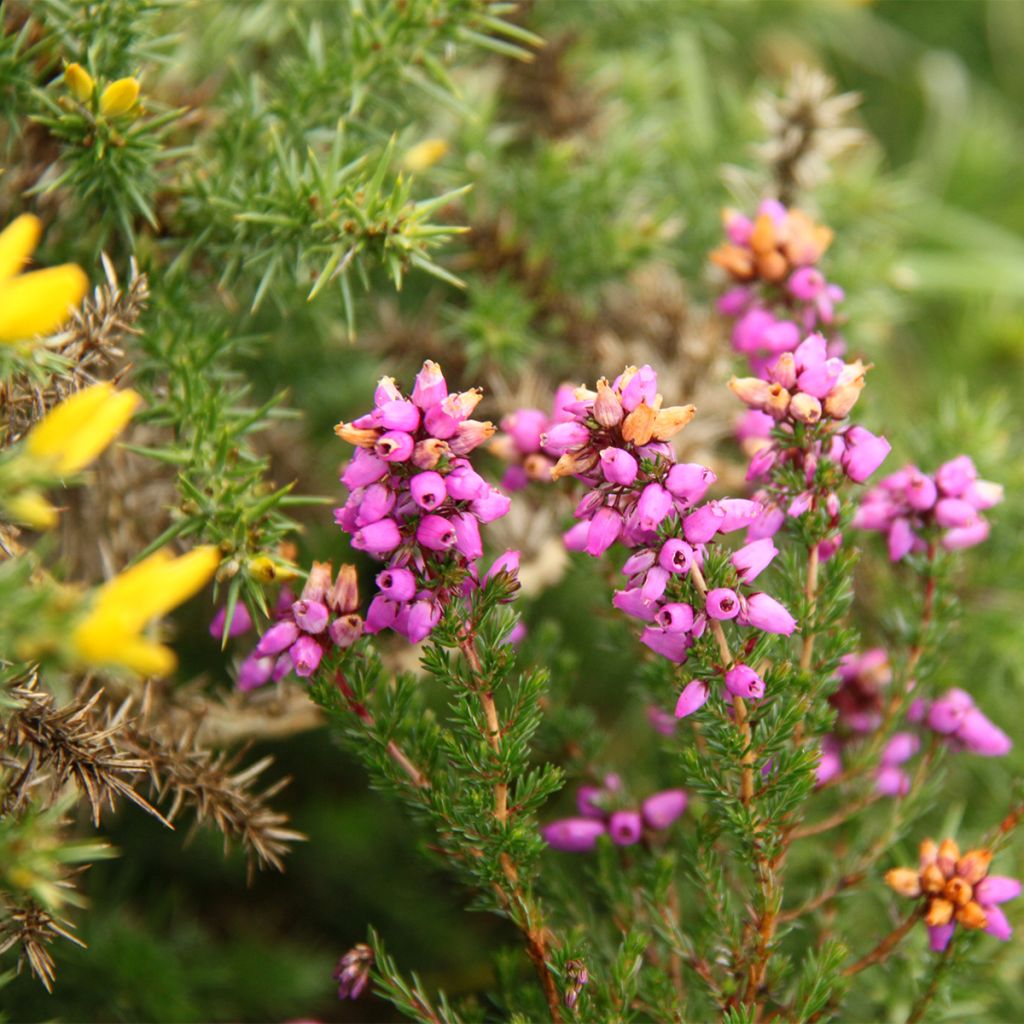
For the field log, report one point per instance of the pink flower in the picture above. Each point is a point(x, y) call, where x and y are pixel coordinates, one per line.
point(604, 530)
point(660, 810)
point(654, 505)
point(378, 538)
point(310, 616)
point(753, 558)
point(395, 446)
point(430, 387)
point(676, 556)
point(435, 533)
point(573, 835)
point(689, 481)
point(618, 466)
point(428, 489)
point(722, 603)
point(743, 681)
point(764, 612)
point(397, 584)
point(305, 654)
point(694, 696)
point(625, 828)
point(277, 638)
point(669, 645)
point(865, 452)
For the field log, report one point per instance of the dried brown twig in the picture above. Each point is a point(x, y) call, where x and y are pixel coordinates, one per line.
point(33, 929)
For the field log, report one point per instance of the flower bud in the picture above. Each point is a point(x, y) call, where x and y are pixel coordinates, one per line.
point(777, 404)
point(805, 408)
point(753, 558)
point(618, 466)
point(654, 505)
point(751, 390)
point(276, 639)
point(604, 530)
point(607, 407)
point(694, 696)
point(491, 506)
point(344, 596)
point(345, 630)
point(428, 489)
point(376, 502)
point(310, 616)
point(363, 468)
point(669, 645)
point(381, 614)
point(743, 681)
point(625, 828)
point(435, 533)
point(670, 421)
point(688, 482)
point(430, 387)
point(428, 453)
point(464, 483)
point(395, 446)
point(362, 437)
point(377, 538)
point(254, 672)
point(573, 835)
point(638, 426)
point(676, 556)
point(904, 881)
point(675, 617)
point(469, 435)
point(660, 810)
point(467, 536)
point(80, 82)
point(306, 654)
point(994, 888)
point(764, 612)
point(119, 97)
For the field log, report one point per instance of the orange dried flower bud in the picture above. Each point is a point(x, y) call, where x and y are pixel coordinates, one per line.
point(772, 266)
point(932, 879)
point(764, 237)
point(972, 916)
point(778, 401)
point(733, 260)
point(958, 891)
point(670, 421)
point(638, 426)
point(361, 437)
point(940, 912)
point(928, 851)
point(751, 390)
point(538, 467)
point(607, 407)
point(905, 881)
point(949, 854)
point(973, 865)
point(805, 408)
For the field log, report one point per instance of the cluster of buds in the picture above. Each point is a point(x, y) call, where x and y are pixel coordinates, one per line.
point(639, 496)
point(521, 446)
point(116, 99)
point(603, 810)
point(780, 293)
point(911, 507)
point(961, 724)
point(325, 616)
point(891, 779)
point(956, 890)
point(576, 976)
point(353, 971)
point(415, 500)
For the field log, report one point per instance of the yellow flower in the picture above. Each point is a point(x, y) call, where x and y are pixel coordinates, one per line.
point(424, 154)
point(79, 81)
point(119, 97)
point(111, 632)
point(266, 570)
point(74, 433)
point(31, 509)
point(39, 302)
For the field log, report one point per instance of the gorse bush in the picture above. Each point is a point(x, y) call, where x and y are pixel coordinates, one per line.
point(664, 606)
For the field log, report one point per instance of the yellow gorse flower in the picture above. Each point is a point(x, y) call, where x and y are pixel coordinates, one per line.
point(75, 432)
point(110, 634)
point(119, 97)
point(424, 155)
point(79, 81)
point(39, 302)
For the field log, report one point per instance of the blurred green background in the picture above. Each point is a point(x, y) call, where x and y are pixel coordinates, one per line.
point(611, 155)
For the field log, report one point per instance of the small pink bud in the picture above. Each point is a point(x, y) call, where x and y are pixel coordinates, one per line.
point(654, 584)
point(378, 538)
point(469, 435)
point(573, 835)
point(467, 536)
point(633, 602)
point(722, 603)
point(310, 616)
point(397, 584)
point(981, 736)
point(430, 387)
point(241, 622)
point(428, 453)
point(363, 468)
point(654, 505)
point(435, 533)
point(660, 810)
point(694, 696)
point(743, 681)
point(996, 889)
point(763, 612)
point(947, 714)
point(277, 638)
point(901, 539)
point(507, 563)
point(525, 427)
point(955, 476)
point(676, 556)
point(675, 617)
point(400, 415)
point(254, 672)
point(604, 530)
point(464, 483)
point(491, 506)
point(753, 558)
point(381, 614)
point(669, 645)
point(625, 828)
point(955, 512)
point(688, 482)
point(966, 536)
point(805, 408)
point(921, 491)
point(703, 523)
point(305, 654)
point(428, 489)
point(865, 452)
point(563, 436)
point(618, 466)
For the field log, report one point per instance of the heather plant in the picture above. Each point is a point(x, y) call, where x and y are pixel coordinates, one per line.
point(666, 603)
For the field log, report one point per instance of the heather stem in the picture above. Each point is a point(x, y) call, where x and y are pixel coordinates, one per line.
point(811, 593)
point(881, 952)
point(535, 935)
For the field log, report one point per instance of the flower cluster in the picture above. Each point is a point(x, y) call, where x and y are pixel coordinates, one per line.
point(781, 294)
point(604, 811)
point(910, 507)
point(520, 443)
point(961, 724)
point(859, 703)
point(956, 890)
point(415, 500)
point(324, 616)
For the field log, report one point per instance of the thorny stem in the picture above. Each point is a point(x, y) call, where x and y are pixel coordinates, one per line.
point(881, 952)
point(536, 936)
